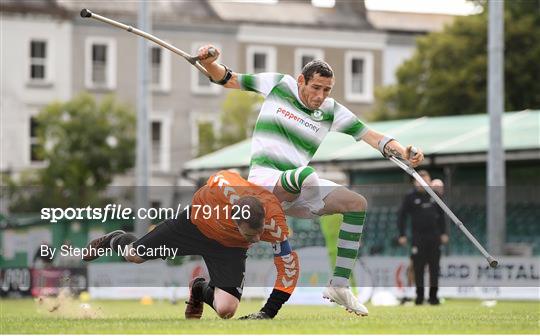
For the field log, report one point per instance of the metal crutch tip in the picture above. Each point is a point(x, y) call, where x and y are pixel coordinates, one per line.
point(493, 263)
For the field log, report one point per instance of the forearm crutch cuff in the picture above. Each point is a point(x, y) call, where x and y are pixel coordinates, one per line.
point(383, 142)
point(226, 77)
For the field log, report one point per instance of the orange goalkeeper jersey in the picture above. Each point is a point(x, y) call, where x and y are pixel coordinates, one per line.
point(213, 209)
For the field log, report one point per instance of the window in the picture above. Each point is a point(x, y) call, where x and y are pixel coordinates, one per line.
point(304, 56)
point(38, 60)
point(36, 154)
point(99, 64)
point(359, 77)
point(100, 71)
point(156, 142)
point(155, 204)
point(160, 69)
point(261, 59)
point(200, 84)
point(160, 142)
point(156, 65)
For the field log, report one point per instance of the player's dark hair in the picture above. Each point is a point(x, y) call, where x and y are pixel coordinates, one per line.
point(317, 67)
point(255, 213)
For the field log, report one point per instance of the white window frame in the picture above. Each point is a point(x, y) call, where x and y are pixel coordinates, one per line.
point(212, 89)
point(48, 63)
point(194, 118)
point(270, 56)
point(164, 84)
point(301, 52)
point(165, 119)
point(367, 95)
point(110, 66)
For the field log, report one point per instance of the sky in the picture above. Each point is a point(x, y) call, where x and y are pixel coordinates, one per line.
point(457, 7)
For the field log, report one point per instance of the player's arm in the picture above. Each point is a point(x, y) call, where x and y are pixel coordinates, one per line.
point(389, 146)
point(347, 122)
point(262, 83)
point(288, 272)
point(220, 73)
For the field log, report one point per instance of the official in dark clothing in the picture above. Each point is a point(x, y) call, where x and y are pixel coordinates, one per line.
point(428, 226)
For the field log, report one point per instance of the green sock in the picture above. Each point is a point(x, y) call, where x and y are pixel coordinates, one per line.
point(350, 233)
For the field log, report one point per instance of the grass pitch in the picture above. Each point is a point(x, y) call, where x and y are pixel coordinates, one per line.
point(130, 317)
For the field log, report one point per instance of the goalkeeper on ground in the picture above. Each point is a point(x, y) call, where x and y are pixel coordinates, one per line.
point(241, 213)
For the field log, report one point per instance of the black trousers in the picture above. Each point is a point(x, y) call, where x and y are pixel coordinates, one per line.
point(226, 265)
point(426, 253)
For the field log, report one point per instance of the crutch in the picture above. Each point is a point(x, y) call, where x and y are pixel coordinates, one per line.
point(407, 168)
point(86, 13)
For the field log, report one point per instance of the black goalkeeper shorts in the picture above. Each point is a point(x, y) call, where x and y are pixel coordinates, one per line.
point(226, 265)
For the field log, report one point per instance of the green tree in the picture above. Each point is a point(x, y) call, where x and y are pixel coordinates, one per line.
point(238, 115)
point(447, 75)
point(207, 138)
point(84, 145)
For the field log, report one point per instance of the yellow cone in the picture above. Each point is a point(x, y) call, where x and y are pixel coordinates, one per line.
point(147, 300)
point(84, 296)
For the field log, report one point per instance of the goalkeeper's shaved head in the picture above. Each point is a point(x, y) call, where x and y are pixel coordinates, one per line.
point(254, 216)
point(251, 218)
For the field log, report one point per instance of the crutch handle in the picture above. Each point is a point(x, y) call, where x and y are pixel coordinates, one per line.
point(414, 151)
point(211, 52)
point(193, 59)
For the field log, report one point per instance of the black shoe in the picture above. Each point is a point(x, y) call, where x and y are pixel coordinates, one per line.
point(418, 301)
point(434, 302)
point(260, 315)
point(194, 306)
point(404, 300)
point(102, 242)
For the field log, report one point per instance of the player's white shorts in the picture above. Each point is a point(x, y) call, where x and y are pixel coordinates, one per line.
point(268, 178)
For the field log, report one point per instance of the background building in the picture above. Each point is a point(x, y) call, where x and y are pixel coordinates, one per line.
point(363, 47)
point(36, 59)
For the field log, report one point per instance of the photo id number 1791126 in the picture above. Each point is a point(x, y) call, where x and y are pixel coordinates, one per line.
point(219, 212)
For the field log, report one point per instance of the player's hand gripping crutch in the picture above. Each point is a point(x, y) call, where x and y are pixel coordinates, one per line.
point(85, 13)
point(492, 261)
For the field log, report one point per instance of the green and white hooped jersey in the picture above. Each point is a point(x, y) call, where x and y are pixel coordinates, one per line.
point(287, 134)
